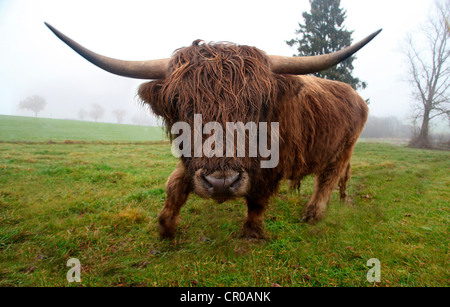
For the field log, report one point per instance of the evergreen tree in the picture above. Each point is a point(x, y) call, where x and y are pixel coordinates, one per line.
point(324, 32)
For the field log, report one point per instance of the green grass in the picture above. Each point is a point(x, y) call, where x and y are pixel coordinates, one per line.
point(99, 203)
point(30, 129)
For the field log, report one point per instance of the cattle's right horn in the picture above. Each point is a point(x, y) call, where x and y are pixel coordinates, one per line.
point(311, 64)
point(153, 69)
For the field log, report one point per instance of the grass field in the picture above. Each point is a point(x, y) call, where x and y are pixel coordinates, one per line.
point(30, 129)
point(99, 202)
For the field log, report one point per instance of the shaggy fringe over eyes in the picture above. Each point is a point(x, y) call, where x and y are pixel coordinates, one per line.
point(222, 81)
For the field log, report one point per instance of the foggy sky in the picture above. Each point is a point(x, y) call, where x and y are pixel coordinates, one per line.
point(34, 62)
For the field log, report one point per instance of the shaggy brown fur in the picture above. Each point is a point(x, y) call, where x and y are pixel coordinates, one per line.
point(320, 121)
point(223, 82)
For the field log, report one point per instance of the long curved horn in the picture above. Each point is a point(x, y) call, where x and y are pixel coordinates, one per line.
point(312, 64)
point(153, 69)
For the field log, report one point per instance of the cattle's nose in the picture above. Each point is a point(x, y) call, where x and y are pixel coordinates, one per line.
point(222, 183)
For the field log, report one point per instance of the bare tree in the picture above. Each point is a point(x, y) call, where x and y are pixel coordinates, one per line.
point(119, 114)
point(97, 111)
point(430, 72)
point(82, 114)
point(33, 103)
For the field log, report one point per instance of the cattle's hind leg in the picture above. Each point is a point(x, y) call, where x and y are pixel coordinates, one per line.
point(295, 184)
point(324, 185)
point(343, 182)
point(177, 188)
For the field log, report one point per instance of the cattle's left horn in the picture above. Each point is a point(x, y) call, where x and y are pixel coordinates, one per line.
point(311, 64)
point(153, 69)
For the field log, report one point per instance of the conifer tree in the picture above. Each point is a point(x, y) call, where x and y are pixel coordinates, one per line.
point(324, 32)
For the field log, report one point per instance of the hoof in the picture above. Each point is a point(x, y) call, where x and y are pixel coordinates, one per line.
point(164, 234)
point(311, 218)
point(166, 228)
point(253, 231)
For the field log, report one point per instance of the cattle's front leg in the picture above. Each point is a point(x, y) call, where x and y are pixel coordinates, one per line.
point(178, 188)
point(253, 226)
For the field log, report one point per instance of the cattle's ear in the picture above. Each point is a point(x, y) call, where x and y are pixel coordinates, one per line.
point(149, 93)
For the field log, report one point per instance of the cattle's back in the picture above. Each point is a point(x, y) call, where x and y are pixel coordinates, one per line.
point(318, 122)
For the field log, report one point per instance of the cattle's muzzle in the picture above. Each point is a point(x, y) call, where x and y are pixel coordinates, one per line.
point(221, 185)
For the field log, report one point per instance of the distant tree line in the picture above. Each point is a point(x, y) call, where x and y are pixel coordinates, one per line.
point(97, 112)
point(392, 128)
point(387, 127)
